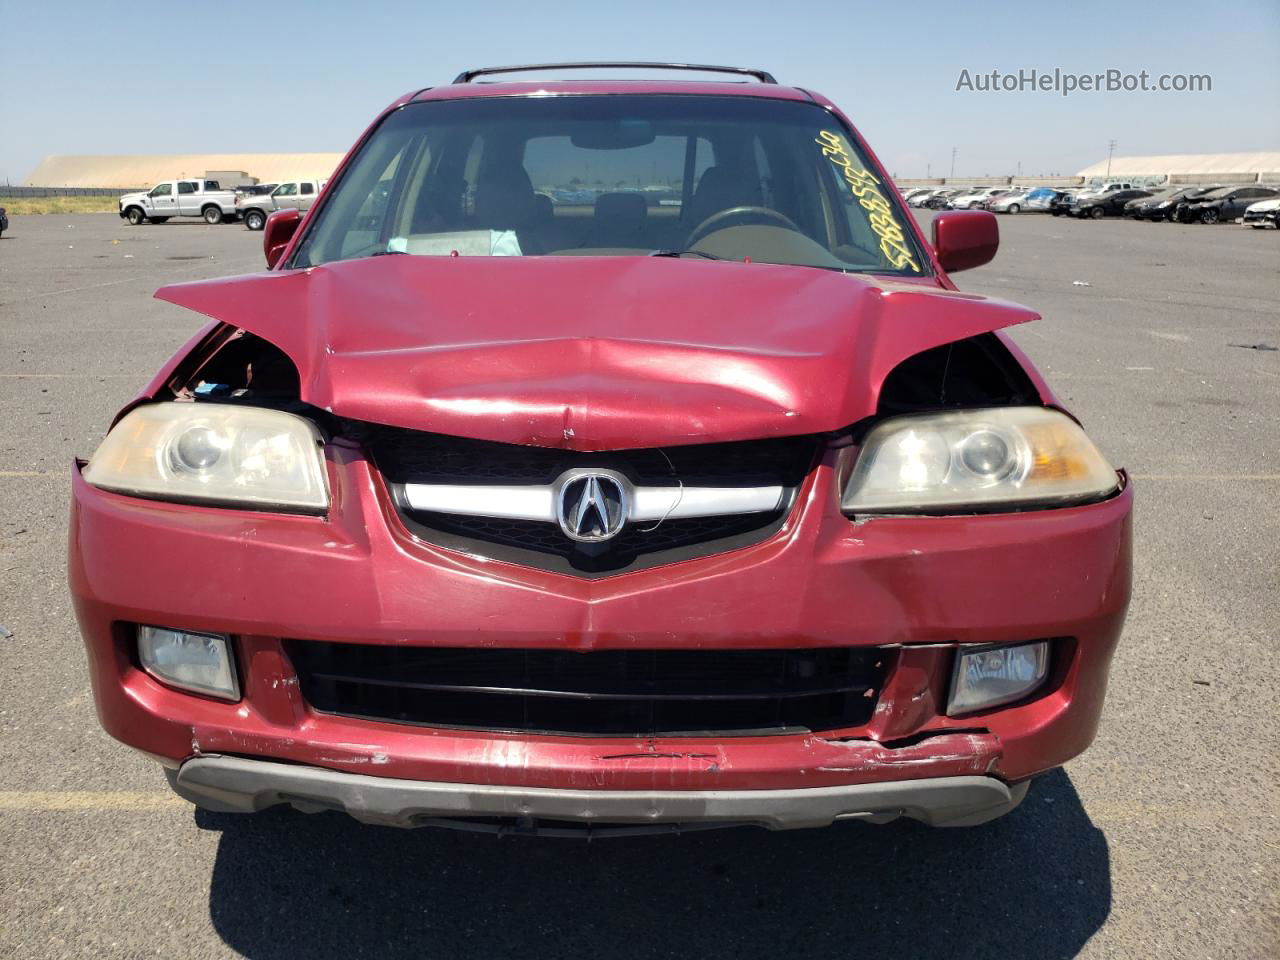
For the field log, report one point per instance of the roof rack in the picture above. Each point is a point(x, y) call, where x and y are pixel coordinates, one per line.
point(466, 76)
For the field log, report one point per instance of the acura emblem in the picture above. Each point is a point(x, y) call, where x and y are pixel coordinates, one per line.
point(592, 505)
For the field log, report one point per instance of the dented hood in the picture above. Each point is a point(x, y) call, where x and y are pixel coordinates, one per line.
point(592, 353)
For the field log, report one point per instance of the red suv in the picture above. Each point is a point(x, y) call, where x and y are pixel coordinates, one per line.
point(603, 456)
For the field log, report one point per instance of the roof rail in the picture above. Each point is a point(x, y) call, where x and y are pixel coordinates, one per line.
point(466, 76)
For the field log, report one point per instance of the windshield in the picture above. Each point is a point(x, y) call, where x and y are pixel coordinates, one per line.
point(622, 175)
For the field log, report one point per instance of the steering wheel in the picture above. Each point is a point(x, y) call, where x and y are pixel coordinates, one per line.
point(701, 229)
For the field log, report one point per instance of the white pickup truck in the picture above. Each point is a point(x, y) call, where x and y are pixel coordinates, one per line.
point(179, 198)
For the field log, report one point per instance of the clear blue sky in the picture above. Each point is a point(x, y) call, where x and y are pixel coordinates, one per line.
point(227, 76)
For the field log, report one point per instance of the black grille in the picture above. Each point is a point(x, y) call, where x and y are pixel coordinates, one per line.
point(606, 693)
point(409, 456)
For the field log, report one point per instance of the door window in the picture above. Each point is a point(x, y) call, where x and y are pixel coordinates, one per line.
point(286, 190)
point(184, 187)
point(163, 190)
point(308, 189)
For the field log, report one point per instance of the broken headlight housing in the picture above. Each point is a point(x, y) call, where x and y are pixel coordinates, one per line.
point(974, 461)
point(208, 453)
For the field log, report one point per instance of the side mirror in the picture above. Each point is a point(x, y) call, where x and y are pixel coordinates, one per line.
point(965, 239)
point(279, 230)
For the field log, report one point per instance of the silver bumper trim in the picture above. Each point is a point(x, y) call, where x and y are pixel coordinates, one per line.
point(237, 785)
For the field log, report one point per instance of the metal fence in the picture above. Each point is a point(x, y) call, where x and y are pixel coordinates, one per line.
point(8, 191)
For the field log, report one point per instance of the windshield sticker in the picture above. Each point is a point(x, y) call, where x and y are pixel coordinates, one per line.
point(893, 244)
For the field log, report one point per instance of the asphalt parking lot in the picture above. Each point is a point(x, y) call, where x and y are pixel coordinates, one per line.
point(1159, 842)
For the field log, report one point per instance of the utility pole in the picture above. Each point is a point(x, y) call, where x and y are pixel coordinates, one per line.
point(1111, 148)
point(928, 171)
point(953, 163)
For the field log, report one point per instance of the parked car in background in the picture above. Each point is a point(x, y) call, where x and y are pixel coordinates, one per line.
point(1033, 200)
point(1062, 203)
point(1108, 205)
point(256, 190)
point(921, 199)
point(1105, 188)
point(1130, 208)
point(4, 220)
point(971, 199)
point(909, 195)
point(942, 199)
point(295, 194)
point(179, 198)
point(1225, 203)
point(1262, 215)
point(1161, 205)
point(492, 535)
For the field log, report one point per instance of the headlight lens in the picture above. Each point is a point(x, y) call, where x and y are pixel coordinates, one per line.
point(996, 675)
point(235, 456)
point(975, 460)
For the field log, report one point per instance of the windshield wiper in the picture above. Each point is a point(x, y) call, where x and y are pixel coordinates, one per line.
point(389, 253)
point(682, 253)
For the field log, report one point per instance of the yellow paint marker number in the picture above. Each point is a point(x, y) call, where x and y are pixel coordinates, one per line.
point(866, 188)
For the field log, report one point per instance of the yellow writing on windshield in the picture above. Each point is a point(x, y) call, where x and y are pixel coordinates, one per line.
point(866, 188)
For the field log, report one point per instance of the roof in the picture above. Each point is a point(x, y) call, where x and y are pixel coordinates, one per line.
point(142, 170)
point(1185, 164)
point(516, 88)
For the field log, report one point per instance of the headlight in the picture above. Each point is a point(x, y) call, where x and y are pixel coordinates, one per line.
point(235, 456)
point(976, 460)
point(996, 675)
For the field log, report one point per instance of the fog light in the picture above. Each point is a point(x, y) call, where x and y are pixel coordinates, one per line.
point(200, 662)
point(996, 675)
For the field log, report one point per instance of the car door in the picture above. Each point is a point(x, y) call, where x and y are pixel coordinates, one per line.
point(188, 199)
point(285, 195)
point(1240, 199)
point(163, 201)
point(306, 194)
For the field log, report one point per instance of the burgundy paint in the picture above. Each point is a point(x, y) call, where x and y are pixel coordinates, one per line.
point(599, 354)
point(593, 353)
point(278, 231)
point(964, 239)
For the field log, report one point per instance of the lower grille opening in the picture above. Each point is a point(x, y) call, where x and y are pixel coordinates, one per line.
point(602, 693)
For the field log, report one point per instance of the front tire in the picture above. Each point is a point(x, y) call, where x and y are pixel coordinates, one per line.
point(212, 215)
point(255, 220)
point(135, 216)
point(1014, 208)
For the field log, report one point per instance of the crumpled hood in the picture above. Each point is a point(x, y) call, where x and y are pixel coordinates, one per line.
point(592, 353)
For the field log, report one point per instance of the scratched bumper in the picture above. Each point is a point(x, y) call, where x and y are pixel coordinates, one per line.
point(236, 785)
point(917, 587)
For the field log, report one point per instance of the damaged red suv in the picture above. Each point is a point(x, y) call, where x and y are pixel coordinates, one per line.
point(603, 456)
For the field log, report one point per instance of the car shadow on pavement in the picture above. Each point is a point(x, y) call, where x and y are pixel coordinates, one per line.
point(1036, 883)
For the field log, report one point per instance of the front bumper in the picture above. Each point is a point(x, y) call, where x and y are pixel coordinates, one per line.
point(235, 785)
point(918, 586)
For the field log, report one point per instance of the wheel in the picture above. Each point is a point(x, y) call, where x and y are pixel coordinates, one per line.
point(135, 216)
point(255, 219)
point(1210, 215)
point(212, 215)
point(159, 219)
point(1097, 213)
point(1013, 208)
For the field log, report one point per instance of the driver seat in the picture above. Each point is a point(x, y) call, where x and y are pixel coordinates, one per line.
point(720, 188)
